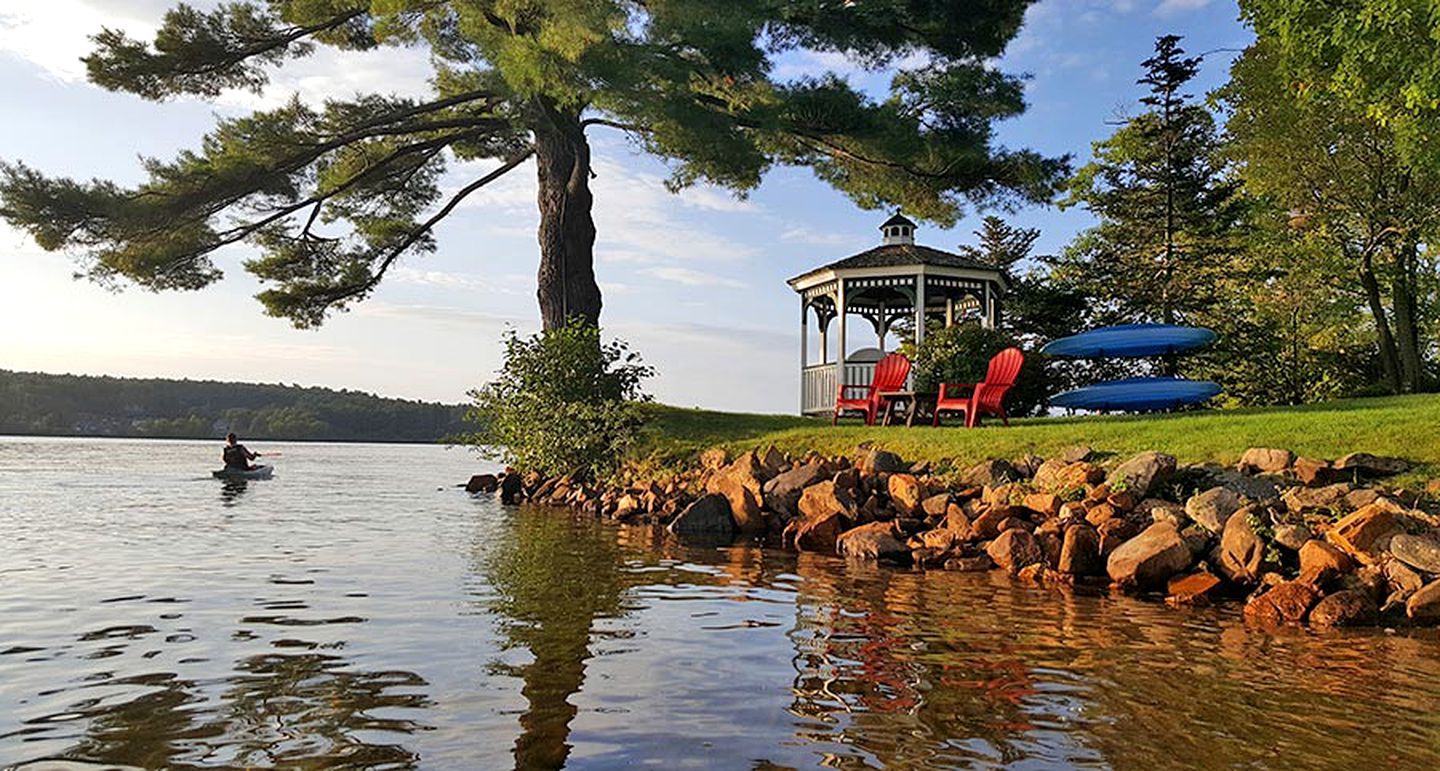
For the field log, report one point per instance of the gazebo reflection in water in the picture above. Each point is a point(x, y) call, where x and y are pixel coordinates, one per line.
point(896, 280)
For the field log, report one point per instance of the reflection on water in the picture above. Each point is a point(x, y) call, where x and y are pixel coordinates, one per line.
point(369, 619)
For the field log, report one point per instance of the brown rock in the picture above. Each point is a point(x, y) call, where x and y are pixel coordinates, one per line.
point(940, 539)
point(1141, 472)
point(874, 541)
point(1057, 475)
point(1014, 549)
point(1100, 513)
point(772, 461)
point(969, 564)
point(936, 505)
point(1004, 495)
point(906, 493)
point(713, 458)
point(1401, 578)
point(707, 517)
point(1123, 501)
point(1314, 472)
point(1045, 503)
point(1364, 534)
point(1319, 562)
point(1423, 607)
point(987, 525)
point(1080, 552)
point(1417, 551)
point(1075, 454)
point(743, 499)
point(823, 499)
point(1150, 558)
point(957, 522)
point(782, 494)
point(1212, 508)
point(1163, 511)
point(1186, 589)
point(1286, 603)
point(1370, 466)
point(482, 483)
point(818, 534)
point(1345, 608)
point(1119, 527)
point(991, 473)
point(1359, 499)
point(1264, 460)
point(1052, 545)
point(880, 462)
point(1241, 556)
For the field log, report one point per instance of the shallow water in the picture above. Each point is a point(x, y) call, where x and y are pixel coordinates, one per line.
point(358, 610)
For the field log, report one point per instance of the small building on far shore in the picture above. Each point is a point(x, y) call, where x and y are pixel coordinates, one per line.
point(899, 279)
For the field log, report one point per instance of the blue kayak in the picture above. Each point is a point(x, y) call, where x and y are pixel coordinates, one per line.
point(1130, 340)
point(1138, 394)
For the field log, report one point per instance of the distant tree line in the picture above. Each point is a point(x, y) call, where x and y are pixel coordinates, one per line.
point(82, 405)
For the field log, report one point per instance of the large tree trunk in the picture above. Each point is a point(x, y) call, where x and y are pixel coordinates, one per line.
point(567, 287)
point(1389, 358)
point(1407, 331)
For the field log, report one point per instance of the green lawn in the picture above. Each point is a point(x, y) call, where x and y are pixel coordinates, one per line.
point(1406, 426)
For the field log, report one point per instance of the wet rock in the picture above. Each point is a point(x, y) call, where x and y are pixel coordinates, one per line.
point(1241, 555)
point(1417, 551)
point(1212, 508)
point(1370, 466)
point(1150, 558)
point(1320, 561)
point(817, 534)
point(1142, 472)
point(782, 494)
point(1198, 539)
point(482, 483)
point(741, 491)
point(991, 473)
point(1051, 545)
point(1264, 460)
point(1292, 537)
point(1365, 533)
point(969, 564)
point(880, 462)
point(874, 541)
point(707, 517)
point(1014, 549)
point(1287, 603)
point(823, 499)
point(1192, 589)
point(1302, 499)
point(940, 540)
point(1311, 471)
point(512, 488)
point(906, 493)
point(1345, 608)
point(1080, 552)
point(1423, 607)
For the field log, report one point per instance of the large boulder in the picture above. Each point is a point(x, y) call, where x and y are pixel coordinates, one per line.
point(906, 493)
point(1212, 508)
point(782, 494)
point(874, 541)
point(1285, 603)
point(1241, 556)
point(742, 492)
point(1347, 607)
point(1149, 559)
point(1423, 607)
point(707, 517)
point(823, 499)
point(1015, 549)
point(1419, 552)
point(1080, 552)
point(1264, 460)
point(1141, 472)
point(991, 473)
point(1365, 533)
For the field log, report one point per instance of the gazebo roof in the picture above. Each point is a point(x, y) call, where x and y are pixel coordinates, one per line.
point(899, 255)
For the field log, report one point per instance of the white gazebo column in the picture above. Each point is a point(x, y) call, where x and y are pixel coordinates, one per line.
point(804, 333)
point(840, 338)
point(880, 328)
point(919, 307)
point(949, 312)
point(987, 318)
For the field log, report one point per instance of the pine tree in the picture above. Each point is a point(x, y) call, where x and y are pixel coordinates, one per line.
point(1167, 212)
point(333, 195)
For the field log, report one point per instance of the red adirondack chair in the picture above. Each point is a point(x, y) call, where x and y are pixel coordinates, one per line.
point(984, 398)
point(890, 374)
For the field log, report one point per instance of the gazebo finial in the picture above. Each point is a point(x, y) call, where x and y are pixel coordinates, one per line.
point(898, 230)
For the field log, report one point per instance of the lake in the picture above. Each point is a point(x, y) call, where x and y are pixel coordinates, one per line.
point(358, 610)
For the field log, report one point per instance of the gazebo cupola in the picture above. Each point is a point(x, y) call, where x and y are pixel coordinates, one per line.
point(898, 279)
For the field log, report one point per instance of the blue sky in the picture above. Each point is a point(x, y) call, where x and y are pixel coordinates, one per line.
point(695, 282)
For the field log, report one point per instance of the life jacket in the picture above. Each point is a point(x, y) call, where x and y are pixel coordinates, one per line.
point(235, 456)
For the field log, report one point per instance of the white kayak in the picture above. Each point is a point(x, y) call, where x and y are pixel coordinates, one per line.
point(259, 472)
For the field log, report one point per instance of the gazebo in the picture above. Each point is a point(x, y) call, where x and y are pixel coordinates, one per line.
point(899, 279)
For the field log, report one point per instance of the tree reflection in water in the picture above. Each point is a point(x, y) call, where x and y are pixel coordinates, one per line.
point(553, 576)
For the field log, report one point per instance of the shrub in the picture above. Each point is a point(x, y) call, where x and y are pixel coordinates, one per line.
point(961, 354)
point(563, 402)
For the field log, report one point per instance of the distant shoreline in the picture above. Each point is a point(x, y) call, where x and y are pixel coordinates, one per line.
point(221, 438)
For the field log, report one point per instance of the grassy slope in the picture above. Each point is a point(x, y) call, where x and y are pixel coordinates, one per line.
point(1407, 426)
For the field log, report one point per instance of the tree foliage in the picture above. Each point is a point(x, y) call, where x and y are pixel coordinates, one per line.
point(961, 354)
point(333, 195)
point(563, 402)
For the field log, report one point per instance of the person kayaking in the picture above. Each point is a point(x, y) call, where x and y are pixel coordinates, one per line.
point(237, 456)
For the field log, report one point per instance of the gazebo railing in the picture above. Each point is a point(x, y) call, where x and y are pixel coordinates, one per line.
point(817, 384)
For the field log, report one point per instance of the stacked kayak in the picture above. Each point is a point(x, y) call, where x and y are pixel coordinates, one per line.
point(1138, 394)
point(259, 472)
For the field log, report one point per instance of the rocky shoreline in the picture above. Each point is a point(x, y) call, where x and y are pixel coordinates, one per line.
point(1297, 540)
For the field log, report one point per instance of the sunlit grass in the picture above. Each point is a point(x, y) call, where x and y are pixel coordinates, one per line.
point(1406, 426)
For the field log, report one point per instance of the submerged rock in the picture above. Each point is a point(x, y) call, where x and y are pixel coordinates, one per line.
point(1347, 607)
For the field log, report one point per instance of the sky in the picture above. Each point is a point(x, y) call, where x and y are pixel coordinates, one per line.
point(695, 282)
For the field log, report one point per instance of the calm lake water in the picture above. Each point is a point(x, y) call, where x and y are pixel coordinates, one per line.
point(357, 610)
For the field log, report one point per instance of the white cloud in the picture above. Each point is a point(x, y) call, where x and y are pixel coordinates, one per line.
point(806, 235)
point(690, 277)
point(1177, 7)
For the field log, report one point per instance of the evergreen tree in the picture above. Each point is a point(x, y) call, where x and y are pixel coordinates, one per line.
point(1162, 249)
point(1000, 244)
point(333, 195)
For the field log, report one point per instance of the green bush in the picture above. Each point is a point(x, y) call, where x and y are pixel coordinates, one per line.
point(962, 353)
point(563, 402)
